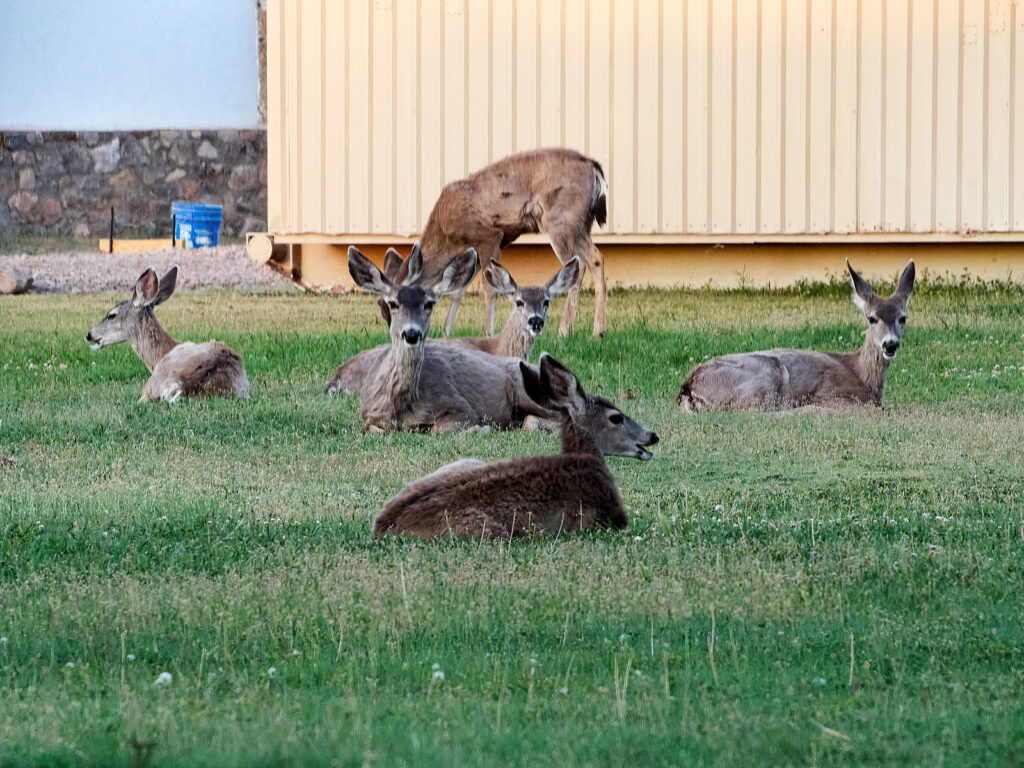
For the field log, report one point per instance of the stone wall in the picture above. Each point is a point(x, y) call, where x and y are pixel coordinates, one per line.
point(64, 183)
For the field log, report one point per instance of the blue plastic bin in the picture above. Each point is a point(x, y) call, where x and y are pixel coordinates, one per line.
point(197, 224)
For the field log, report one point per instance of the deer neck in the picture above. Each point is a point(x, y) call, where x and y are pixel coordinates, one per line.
point(575, 440)
point(515, 340)
point(150, 341)
point(397, 381)
point(872, 368)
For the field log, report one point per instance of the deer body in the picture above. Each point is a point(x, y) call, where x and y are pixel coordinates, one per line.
point(788, 378)
point(409, 385)
point(571, 491)
point(177, 369)
point(556, 191)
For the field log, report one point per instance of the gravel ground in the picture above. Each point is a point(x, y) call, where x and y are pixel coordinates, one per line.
point(90, 272)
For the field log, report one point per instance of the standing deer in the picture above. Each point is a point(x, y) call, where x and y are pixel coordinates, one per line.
point(525, 321)
point(788, 378)
point(177, 368)
point(573, 490)
point(410, 385)
point(556, 191)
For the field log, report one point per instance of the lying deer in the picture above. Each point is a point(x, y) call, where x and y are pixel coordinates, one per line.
point(177, 368)
point(525, 321)
point(411, 385)
point(556, 191)
point(788, 378)
point(573, 490)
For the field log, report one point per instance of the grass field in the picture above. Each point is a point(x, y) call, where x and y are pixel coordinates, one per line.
point(792, 589)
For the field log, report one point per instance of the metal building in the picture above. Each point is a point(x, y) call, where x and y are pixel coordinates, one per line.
point(753, 140)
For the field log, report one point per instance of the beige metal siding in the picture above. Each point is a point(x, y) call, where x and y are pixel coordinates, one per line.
point(710, 116)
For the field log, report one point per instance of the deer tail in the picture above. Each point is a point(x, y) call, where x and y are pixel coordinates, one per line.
point(599, 208)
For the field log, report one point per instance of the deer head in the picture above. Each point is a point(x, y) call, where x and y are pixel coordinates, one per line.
point(530, 304)
point(127, 318)
point(407, 306)
point(595, 421)
point(886, 317)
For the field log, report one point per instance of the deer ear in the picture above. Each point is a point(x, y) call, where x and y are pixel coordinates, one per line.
point(167, 283)
point(458, 274)
point(366, 275)
point(145, 288)
point(564, 278)
point(531, 383)
point(561, 386)
point(906, 283)
point(413, 265)
point(862, 293)
point(499, 279)
point(393, 262)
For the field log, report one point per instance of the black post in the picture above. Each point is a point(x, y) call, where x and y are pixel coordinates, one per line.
point(110, 247)
point(174, 229)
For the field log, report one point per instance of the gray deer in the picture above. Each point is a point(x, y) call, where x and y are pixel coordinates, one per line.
point(573, 490)
point(410, 385)
point(178, 369)
point(525, 321)
point(789, 378)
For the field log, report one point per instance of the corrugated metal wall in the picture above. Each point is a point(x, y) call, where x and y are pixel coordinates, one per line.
point(710, 116)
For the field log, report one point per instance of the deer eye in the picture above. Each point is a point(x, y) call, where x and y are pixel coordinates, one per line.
point(872, 320)
point(546, 302)
point(112, 315)
point(903, 319)
point(519, 303)
point(429, 305)
point(392, 303)
point(615, 418)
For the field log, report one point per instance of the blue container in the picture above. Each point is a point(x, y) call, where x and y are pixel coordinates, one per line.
point(197, 224)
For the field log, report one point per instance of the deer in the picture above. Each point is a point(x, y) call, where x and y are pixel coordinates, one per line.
point(559, 192)
point(780, 379)
point(177, 369)
point(571, 491)
point(410, 385)
point(517, 338)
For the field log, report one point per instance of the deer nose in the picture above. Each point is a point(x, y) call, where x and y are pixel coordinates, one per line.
point(654, 439)
point(536, 323)
point(89, 338)
point(890, 347)
point(412, 335)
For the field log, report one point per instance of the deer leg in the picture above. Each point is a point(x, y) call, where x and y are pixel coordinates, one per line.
point(489, 254)
point(449, 324)
point(565, 249)
point(600, 290)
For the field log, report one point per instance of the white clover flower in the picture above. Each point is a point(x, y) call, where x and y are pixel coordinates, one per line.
point(130, 657)
point(296, 652)
point(70, 665)
point(638, 538)
point(438, 676)
point(533, 662)
point(164, 678)
point(563, 691)
point(3, 641)
point(818, 681)
point(718, 507)
point(272, 672)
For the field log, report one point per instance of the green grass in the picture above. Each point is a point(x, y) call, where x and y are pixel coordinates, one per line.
point(861, 573)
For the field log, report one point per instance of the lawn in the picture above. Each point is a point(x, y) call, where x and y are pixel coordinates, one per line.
point(792, 590)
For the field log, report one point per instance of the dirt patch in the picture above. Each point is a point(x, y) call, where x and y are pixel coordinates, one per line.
point(225, 266)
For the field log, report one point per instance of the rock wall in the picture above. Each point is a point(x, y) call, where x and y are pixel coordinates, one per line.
point(64, 183)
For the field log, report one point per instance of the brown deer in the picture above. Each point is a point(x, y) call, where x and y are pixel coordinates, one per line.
point(178, 369)
point(410, 385)
point(573, 490)
point(556, 191)
point(788, 378)
point(525, 321)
